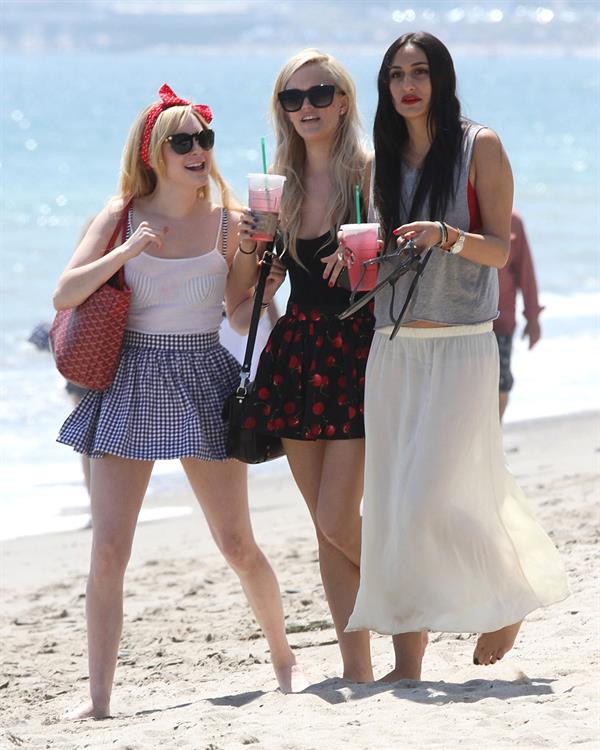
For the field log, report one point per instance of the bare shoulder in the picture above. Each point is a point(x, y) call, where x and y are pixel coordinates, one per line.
point(490, 162)
point(106, 219)
point(97, 233)
point(115, 206)
point(487, 145)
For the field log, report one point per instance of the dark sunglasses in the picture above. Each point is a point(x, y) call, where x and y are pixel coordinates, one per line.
point(183, 143)
point(319, 96)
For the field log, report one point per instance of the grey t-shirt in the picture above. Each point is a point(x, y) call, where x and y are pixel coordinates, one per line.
point(452, 290)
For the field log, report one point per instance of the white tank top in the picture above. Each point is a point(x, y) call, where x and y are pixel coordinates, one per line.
point(178, 295)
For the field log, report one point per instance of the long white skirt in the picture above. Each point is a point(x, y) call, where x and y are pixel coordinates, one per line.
point(448, 543)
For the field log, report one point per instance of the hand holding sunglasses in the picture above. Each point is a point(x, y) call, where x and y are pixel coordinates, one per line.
point(183, 143)
point(319, 96)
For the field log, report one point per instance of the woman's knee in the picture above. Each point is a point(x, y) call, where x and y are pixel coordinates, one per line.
point(109, 558)
point(337, 529)
point(240, 551)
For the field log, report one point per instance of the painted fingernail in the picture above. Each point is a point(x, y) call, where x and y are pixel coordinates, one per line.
point(396, 232)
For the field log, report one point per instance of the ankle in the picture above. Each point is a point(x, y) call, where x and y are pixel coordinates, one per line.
point(100, 705)
point(283, 659)
point(358, 673)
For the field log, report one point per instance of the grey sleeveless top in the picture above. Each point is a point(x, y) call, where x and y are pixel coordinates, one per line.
point(452, 290)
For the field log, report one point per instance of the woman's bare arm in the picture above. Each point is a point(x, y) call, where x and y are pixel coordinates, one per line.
point(89, 267)
point(492, 178)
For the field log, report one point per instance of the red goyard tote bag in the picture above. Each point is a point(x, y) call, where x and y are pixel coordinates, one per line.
point(86, 340)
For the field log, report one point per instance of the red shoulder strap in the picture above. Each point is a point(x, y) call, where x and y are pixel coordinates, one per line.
point(120, 226)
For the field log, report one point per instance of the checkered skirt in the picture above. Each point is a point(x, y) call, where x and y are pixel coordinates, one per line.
point(165, 401)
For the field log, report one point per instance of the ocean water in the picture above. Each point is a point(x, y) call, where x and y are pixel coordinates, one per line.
point(64, 119)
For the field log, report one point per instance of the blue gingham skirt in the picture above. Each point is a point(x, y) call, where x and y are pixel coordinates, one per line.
point(165, 401)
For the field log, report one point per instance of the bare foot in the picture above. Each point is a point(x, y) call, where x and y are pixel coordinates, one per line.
point(86, 711)
point(291, 678)
point(492, 646)
point(410, 650)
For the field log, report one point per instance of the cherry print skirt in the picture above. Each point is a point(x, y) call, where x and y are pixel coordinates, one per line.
point(310, 380)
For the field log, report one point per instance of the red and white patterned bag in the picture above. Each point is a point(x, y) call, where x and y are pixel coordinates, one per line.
point(86, 340)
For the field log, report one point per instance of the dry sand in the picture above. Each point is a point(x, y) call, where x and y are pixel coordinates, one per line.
point(194, 672)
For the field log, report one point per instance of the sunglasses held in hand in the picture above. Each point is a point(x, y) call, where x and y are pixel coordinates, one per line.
point(319, 96)
point(183, 143)
point(406, 258)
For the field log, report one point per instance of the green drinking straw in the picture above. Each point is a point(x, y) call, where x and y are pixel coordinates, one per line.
point(263, 148)
point(357, 197)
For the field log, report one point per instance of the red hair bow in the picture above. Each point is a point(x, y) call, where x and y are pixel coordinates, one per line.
point(169, 99)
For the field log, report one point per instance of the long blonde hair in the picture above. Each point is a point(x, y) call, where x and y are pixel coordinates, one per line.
point(347, 156)
point(136, 180)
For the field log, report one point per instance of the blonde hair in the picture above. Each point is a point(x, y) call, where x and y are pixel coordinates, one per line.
point(137, 180)
point(347, 156)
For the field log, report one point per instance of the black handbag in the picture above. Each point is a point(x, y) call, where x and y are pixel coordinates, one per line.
point(242, 440)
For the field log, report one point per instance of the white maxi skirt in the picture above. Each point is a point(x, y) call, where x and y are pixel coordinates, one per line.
point(448, 543)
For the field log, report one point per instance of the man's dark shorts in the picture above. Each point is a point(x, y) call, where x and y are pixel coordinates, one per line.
point(504, 350)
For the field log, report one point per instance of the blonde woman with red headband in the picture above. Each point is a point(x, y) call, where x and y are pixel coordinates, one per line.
point(166, 399)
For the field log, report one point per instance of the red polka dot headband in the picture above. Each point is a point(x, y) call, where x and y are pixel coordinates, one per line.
point(169, 99)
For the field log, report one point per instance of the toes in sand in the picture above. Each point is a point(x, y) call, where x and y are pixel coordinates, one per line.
point(491, 647)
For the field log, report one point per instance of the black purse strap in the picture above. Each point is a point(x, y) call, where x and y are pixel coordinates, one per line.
point(259, 292)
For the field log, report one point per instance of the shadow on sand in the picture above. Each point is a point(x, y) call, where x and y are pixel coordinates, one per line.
point(337, 690)
point(242, 699)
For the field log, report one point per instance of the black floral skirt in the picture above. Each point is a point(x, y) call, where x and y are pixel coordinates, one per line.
point(310, 380)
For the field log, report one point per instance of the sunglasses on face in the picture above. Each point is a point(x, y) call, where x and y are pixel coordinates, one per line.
point(183, 143)
point(319, 96)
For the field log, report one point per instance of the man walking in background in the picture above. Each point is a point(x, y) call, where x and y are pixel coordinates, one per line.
point(517, 274)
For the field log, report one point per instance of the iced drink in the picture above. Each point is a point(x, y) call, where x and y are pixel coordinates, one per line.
point(361, 241)
point(264, 198)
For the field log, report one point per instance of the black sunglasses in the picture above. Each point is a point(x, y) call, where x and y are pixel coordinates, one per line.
point(319, 96)
point(183, 143)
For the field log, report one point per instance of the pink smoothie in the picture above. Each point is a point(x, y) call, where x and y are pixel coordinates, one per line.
point(264, 197)
point(361, 241)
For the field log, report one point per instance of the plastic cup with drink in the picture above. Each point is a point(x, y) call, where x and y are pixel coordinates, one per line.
point(360, 242)
point(264, 199)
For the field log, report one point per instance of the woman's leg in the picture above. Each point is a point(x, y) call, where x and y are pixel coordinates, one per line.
point(118, 486)
point(330, 477)
point(222, 491)
point(86, 469)
point(409, 650)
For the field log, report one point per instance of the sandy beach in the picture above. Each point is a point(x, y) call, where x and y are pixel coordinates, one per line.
point(193, 670)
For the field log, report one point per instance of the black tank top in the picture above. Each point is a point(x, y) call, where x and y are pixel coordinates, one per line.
point(307, 285)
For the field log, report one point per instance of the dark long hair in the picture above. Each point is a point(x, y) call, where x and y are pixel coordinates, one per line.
point(390, 136)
